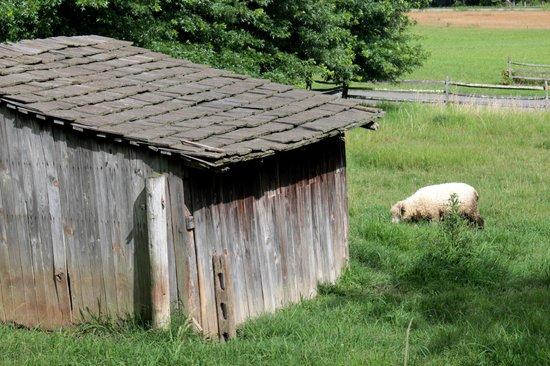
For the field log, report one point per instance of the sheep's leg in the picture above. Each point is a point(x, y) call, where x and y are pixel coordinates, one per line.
point(437, 215)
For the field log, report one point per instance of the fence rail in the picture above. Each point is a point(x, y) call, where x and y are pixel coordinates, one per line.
point(496, 86)
point(448, 83)
point(543, 66)
point(542, 79)
point(447, 93)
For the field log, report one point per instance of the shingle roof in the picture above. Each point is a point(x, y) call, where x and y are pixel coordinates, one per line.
point(209, 116)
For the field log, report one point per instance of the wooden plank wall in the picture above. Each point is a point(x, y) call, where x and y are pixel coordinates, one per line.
point(283, 224)
point(73, 237)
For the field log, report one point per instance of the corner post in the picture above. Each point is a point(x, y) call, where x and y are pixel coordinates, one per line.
point(155, 189)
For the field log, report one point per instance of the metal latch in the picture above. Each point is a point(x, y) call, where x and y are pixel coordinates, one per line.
point(189, 222)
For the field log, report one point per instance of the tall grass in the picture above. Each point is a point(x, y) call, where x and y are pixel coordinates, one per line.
point(476, 297)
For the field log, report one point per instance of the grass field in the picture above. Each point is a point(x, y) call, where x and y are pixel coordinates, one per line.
point(475, 297)
point(476, 55)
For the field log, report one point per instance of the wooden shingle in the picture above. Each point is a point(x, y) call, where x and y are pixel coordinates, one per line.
point(107, 85)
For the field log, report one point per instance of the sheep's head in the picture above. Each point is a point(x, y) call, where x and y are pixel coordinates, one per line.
point(397, 212)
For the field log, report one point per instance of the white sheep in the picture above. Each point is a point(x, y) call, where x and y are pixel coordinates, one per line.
point(434, 202)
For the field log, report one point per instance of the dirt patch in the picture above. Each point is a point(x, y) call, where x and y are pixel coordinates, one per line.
point(496, 19)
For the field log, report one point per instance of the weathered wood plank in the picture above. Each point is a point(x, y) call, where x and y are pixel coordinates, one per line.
point(236, 249)
point(329, 213)
point(342, 183)
point(123, 250)
point(265, 233)
point(288, 197)
point(316, 212)
point(335, 215)
point(271, 200)
point(102, 253)
point(179, 278)
point(204, 236)
point(68, 183)
point(5, 265)
point(172, 275)
point(21, 255)
point(307, 255)
point(116, 204)
point(60, 276)
point(281, 236)
point(252, 262)
point(190, 251)
point(41, 278)
point(137, 239)
point(90, 289)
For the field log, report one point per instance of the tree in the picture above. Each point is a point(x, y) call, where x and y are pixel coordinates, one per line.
point(285, 40)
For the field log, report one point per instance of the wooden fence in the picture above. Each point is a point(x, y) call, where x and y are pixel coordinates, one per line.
point(528, 72)
point(447, 84)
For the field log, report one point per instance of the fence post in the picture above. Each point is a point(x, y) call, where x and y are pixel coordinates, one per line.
point(155, 189)
point(546, 94)
point(447, 85)
point(510, 70)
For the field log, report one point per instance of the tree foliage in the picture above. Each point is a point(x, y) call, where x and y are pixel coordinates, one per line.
point(439, 3)
point(285, 40)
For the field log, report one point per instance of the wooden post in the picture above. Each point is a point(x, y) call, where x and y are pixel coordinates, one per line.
point(447, 82)
point(225, 304)
point(510, 70)
point(158, 250)
point(546, 88)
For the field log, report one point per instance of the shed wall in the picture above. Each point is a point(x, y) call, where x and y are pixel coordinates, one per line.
point(73, 235)
point(283, 222)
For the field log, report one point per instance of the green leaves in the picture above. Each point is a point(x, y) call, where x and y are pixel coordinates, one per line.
point(286, 40)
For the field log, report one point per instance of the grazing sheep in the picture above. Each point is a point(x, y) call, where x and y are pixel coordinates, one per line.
point(434, 202)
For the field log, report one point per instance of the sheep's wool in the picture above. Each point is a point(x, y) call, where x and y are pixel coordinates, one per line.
point(432, 202)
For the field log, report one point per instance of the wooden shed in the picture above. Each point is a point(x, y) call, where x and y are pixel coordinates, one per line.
point(255, 172)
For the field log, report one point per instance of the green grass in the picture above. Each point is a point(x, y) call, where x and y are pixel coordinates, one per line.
point(473, 55)
point(482, 298)
point(478, 55)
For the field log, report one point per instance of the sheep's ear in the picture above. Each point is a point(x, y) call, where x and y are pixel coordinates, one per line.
point(402, 208)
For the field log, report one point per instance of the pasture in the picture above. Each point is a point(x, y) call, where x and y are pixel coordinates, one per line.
point(471, 296)
point(478, 54)
point(474, 46)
